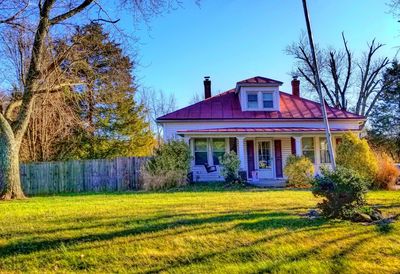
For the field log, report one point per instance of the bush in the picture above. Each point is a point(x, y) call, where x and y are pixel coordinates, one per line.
point(168, 167)
point(230, 167)
point(355, 154)
point(163, 180)
point(299, 171)
point(344, 192)
point(387, 173)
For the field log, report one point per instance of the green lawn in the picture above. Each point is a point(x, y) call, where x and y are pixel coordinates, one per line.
point(203, 231)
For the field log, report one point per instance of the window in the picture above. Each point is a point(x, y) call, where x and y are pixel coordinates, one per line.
point(264, 154)
point(200, 151)
point(252, 100)
point(268, 100)
point(323, 150)
point(218, 149)
point(308, 148)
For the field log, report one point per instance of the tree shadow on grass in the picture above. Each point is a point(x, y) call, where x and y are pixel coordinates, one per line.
point(246, 250)
point(193, 187)
point(30, 246)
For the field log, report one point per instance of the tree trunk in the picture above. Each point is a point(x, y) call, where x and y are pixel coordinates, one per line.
point(10, 180)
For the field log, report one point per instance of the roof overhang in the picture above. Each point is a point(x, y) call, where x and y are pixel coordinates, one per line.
point(259, 120)
point(240, 85)
point(263, 131)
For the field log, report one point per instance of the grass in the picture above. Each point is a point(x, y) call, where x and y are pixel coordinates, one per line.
point(198, 229)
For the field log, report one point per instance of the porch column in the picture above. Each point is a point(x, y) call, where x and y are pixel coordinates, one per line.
point(186, 139)
point(299, 151)
point(241, 152)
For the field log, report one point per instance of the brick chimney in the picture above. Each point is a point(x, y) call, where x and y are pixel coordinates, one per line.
point(207, 87)
point(295, 86)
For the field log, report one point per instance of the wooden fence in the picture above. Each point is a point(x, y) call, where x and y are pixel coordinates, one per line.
point(119, 174)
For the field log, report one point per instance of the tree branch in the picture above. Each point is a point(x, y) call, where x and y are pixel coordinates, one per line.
point(70, 13)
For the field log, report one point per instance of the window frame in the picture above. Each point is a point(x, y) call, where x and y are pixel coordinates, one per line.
point(324, 151)
point(269, 155)
point(252, 93)
point(272, 99)
point(222, 152)
point(202, 151)
point(308, 149)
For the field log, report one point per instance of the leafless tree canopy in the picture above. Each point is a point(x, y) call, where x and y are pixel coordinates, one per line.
point(349, 83)
point(35, 26)
point(156, 104)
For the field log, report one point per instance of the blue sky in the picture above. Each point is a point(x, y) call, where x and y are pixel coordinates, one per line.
point(231, 40)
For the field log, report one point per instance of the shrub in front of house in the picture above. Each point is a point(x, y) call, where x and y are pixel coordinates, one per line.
point(387, 173)
point(299, 171)
point(355, 154)
point(230, 164)
point(168, 167)
point(343, 191)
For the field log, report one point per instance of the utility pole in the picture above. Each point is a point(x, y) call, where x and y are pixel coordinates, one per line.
point(319, 89)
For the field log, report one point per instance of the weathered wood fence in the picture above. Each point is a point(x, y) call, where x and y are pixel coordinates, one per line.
point(119, 174)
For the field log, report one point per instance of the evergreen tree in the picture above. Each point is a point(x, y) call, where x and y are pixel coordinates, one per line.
point(114, 123)
point(385, 119)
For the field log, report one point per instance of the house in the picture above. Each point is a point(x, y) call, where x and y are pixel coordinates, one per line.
point(262, 124)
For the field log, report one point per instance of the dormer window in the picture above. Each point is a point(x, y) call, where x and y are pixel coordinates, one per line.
point(259, 94)
point(268, 100)
point(252, 100)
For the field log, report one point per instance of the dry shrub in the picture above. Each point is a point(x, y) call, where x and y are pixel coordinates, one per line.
point(165, 180)
point(168, 167)
point(387, 173)
point(299, 171)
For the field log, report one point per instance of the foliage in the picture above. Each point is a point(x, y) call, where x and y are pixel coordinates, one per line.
point(115, 124)
point(41, 71)
point(344, 192)
point(168, 167)
point(299, 171)
point(191, 231)
point(355, 154)
point(385, 119)
point(230, 163)
point(387, 173)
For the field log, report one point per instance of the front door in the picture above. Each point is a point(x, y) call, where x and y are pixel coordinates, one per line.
point(264, 159)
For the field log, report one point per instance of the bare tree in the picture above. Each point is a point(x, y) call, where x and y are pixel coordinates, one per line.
point(343, 77)
point(44, 19)
point(156, 104)
point(196, 98)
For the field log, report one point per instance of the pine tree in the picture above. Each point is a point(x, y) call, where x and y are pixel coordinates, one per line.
point(114, 123)
point(385, 119)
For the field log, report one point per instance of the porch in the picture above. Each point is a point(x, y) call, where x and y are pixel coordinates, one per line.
point(262, 152)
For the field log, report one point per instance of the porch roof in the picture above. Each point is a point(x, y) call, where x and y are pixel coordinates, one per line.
point(260, 130)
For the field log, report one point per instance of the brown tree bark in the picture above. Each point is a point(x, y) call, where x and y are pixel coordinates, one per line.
point(11, 133)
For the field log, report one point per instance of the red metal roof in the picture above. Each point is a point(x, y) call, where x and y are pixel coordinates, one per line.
point(260, 80)
point(226, 106)
point(256, 130)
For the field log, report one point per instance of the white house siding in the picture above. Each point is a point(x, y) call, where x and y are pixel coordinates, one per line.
point(286, 150)
point(200, 174)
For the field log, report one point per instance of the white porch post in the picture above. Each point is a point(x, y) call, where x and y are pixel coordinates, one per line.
point(241, 152)
point(298, 145)
point(186, 139)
